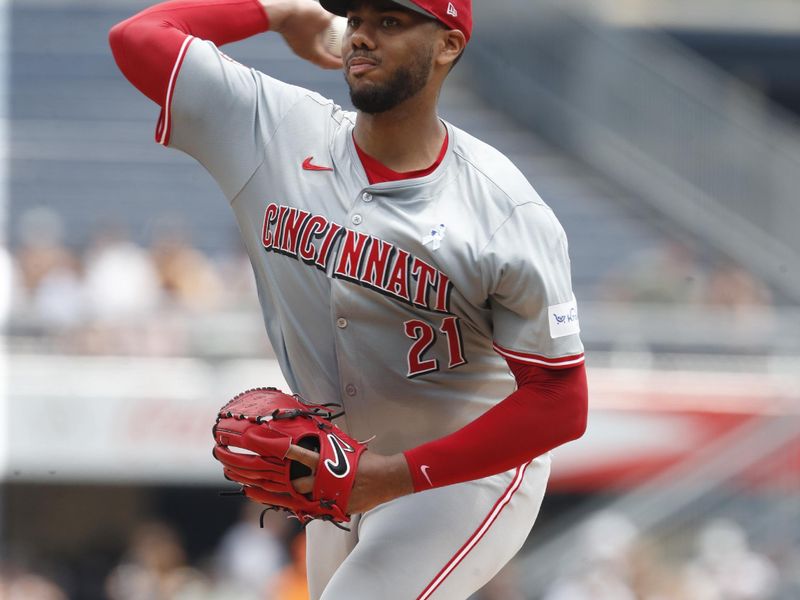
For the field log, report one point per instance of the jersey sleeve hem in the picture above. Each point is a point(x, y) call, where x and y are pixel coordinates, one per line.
point(563, 362)
point(164, 125)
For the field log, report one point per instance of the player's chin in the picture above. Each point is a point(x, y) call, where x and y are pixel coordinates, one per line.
point(356, 82)
point(360, 85)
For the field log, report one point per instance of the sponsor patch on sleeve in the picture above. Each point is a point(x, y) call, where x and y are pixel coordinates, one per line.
point(563, 319)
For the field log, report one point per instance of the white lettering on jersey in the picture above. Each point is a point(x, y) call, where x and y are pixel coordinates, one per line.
point(563, 319)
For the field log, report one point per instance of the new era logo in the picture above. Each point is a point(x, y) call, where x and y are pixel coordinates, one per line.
point(451, 10)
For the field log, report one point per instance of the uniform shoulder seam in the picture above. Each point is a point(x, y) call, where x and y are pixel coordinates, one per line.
point(515, 202)
point(308, 94)
point(483, 174)
point(499, 227)
point(545, 207)
point(494, 183)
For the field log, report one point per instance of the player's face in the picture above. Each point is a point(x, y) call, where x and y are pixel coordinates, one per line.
point(388, 55)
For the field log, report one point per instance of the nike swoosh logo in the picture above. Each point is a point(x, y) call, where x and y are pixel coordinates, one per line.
point(309, 166)
point(424, 469)
point(341, 467)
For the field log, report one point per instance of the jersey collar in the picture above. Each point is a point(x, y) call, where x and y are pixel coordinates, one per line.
point(402, 184)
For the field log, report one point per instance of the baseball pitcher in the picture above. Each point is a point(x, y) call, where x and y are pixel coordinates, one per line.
point(406, 271)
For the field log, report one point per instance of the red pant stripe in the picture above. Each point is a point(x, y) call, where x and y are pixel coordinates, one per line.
point(501, 503)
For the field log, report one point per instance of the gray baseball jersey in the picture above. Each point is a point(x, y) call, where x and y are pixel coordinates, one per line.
point(396, 299)
point(400, 300)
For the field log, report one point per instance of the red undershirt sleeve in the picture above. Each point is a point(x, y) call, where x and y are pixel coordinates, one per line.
point(146, 46)
point(548, 409)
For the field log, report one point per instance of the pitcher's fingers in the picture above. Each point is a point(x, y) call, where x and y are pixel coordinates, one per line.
point(303, 485)
point(326, 60)
point(308, 457)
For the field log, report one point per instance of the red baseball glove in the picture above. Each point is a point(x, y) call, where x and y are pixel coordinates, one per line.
point(256, 433)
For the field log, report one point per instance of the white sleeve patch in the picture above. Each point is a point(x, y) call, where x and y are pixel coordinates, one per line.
point(563, 319)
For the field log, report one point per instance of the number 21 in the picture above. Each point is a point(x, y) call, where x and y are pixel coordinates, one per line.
point(424, 336)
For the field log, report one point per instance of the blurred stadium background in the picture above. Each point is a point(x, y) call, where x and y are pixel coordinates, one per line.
point(665, 135)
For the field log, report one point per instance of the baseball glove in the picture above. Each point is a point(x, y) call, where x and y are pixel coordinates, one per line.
point(253, 435)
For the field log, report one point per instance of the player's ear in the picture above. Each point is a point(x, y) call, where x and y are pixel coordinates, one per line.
point(451, 45)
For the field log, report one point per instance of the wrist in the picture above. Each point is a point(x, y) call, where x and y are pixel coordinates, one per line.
point(278, 12)
point(398, 476)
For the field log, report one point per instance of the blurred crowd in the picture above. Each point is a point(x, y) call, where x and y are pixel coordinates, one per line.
point(116, 296)
point(249, 563)
point(673, 273)
point(611, 560)
point(615, 561)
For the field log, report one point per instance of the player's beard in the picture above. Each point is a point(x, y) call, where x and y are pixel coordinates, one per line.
point(406, 82)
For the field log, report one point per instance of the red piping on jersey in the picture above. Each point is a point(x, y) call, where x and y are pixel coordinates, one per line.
point(164, 120)
point(477, 535)
point(543, 361)
point(149, 47)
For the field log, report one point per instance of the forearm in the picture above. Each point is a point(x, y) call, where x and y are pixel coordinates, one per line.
point(547, 410)
point(147, 45)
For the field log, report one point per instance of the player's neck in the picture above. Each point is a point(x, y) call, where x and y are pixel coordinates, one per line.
point(406, 138)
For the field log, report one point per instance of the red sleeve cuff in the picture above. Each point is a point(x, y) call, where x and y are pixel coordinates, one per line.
point(419, 477)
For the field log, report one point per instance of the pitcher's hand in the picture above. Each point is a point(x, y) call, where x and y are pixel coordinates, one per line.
point(302, 24)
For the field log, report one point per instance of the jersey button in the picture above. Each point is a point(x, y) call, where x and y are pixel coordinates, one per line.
point(341, 323)
point(357, 219)
point(366, 197)
point(350, 389)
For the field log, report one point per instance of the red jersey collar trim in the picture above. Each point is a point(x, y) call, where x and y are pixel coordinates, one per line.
point(377, 172)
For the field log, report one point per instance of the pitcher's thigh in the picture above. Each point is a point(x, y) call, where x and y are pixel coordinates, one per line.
point(445, 543)
point(326, 549)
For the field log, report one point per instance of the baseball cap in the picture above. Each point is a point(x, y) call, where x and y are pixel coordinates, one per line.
point(455, 14)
